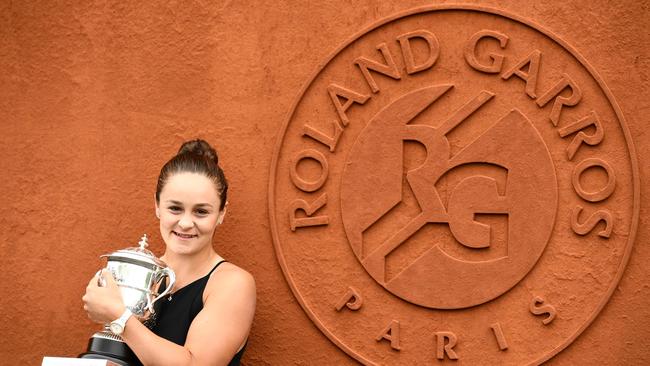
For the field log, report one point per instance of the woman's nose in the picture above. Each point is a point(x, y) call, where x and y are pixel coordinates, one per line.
point(186, 222)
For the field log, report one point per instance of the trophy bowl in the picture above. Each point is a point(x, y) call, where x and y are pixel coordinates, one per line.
point(139, 274)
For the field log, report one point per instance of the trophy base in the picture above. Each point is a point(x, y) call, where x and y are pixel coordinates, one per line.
point(108, 346)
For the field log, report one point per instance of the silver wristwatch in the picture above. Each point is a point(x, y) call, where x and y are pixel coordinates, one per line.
point(117, 326)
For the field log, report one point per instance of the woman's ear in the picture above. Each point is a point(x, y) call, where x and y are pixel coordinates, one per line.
point(155, 201)
point(222, 214)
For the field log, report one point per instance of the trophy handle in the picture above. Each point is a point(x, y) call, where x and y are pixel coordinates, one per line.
point(172, 279)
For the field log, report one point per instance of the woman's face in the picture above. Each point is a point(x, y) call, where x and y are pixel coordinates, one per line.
point(189, 213)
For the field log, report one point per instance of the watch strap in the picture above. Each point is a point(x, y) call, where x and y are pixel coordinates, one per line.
point(125, 316)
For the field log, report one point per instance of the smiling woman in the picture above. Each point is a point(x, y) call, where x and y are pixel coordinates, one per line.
point(207, 317)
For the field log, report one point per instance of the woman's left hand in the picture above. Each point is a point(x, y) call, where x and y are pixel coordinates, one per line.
point(103, 303)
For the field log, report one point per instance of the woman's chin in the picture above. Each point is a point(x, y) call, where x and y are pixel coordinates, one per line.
point(180, 249)
point(180, 246)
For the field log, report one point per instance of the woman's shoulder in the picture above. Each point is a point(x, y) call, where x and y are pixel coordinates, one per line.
point(230, 279)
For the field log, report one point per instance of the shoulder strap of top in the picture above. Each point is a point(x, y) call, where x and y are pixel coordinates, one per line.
point(215, 267)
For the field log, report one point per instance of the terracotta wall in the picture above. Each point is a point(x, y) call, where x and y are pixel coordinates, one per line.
point(96, 96)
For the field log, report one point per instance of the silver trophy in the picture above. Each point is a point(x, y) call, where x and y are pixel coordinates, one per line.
point(138, 274)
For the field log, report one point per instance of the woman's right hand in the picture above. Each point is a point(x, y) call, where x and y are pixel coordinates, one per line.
point(103, 303)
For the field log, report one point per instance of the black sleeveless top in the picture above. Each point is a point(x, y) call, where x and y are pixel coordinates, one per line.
point(173, 315)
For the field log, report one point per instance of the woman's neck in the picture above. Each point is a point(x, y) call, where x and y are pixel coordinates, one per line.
point(189, 268)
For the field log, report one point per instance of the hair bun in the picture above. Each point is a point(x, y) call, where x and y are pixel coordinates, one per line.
point(201, 148)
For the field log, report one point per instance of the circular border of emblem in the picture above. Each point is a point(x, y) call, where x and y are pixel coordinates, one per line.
point(526, 22)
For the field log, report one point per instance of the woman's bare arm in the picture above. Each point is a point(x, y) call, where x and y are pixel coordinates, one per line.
point(221, 328)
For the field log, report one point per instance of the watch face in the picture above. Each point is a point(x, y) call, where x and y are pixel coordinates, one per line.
point(116, 328)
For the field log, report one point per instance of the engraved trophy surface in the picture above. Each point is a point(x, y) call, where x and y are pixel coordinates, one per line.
point(138, 274)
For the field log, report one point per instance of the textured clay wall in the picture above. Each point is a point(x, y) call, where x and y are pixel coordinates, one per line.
point(408, 186)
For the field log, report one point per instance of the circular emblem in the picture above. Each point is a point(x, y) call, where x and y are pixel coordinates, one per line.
point(454, 183)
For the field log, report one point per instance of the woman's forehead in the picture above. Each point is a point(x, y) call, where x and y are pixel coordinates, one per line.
point(190, 188)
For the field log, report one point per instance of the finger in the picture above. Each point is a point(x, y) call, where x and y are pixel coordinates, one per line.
point(94, 281)
point(108, 276)
point(110, 280)
point(101, 278)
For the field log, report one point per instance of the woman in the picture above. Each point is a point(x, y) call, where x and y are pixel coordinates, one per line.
point(209, 313)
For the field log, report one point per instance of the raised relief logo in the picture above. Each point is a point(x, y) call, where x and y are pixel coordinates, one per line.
point(454, 185)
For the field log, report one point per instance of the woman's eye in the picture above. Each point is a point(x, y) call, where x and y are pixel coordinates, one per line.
point(202, 212)
point(174, 208)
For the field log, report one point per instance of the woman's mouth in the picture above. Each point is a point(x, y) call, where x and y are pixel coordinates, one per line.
point(184, 236)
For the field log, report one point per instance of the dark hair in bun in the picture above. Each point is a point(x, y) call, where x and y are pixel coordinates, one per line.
point(195, 156)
